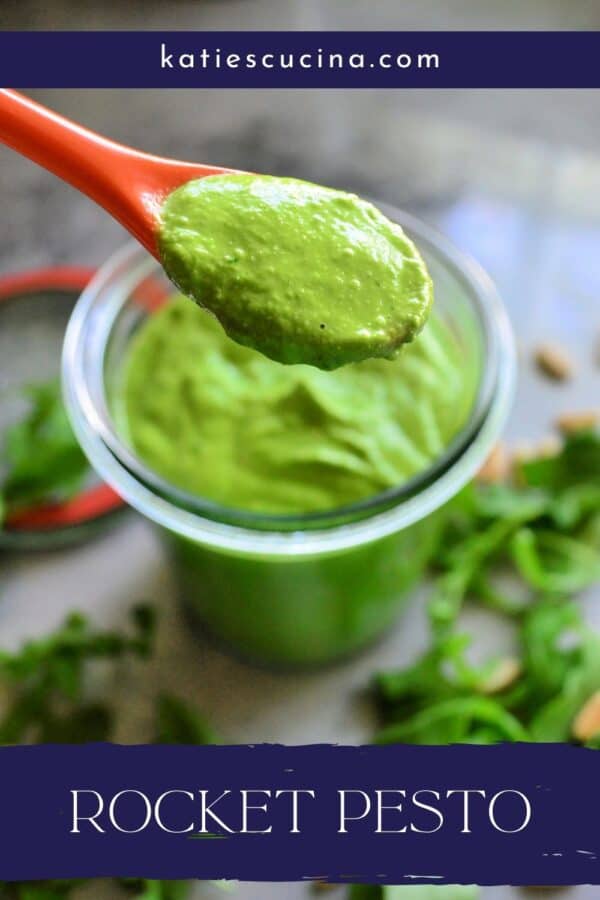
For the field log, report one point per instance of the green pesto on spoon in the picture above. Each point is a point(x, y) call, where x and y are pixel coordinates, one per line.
point(300, 272)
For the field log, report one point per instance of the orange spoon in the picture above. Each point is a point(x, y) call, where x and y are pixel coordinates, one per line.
point(128, 184)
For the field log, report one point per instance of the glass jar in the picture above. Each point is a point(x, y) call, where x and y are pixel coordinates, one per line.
point(289, 590)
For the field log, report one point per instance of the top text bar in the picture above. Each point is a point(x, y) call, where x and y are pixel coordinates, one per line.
point(300, 59)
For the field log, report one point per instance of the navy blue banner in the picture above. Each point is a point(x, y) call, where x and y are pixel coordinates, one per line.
point(508, 814)
point(300, 59)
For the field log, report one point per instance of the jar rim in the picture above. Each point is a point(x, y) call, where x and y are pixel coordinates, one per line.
point(305, 534)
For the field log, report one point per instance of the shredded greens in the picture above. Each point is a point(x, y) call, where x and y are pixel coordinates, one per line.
point(545, 528)
point(41, 456)
point(523, 550)
point(177, 723)
point(45, 702)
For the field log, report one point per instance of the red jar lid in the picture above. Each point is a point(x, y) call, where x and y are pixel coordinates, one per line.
point(34, 309)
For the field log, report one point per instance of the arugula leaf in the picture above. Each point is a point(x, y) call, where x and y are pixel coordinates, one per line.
point(438, 674)
point(578, 462)
point(471, 720)
point(134, 888)
point(550, 635)
point(147, 889)
point(365, 892)
point(554, 719)
point(46, 678)
point(177, 723)
point(554, 563)
point(44, 461)
point(477, 533)
point(544, 529)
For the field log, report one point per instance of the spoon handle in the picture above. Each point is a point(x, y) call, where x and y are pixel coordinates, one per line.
point(129, 184)
point(116, 177)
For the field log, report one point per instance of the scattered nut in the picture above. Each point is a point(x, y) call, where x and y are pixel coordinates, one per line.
point(545, 448)
point(587, 721)
point(572, 422)
point(524, 453)
point(496, 467)
point(504, 673)
point(554, 362)
point(548, 446)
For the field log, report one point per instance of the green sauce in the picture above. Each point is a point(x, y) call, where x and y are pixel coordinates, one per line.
point(302, 273)
point(224, 422)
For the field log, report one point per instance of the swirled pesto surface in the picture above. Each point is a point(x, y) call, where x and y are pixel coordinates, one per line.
point(224, 422)
point(300, 272)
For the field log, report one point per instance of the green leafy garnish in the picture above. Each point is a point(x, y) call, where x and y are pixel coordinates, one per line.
point(148, 889)
point(522, 550)
point(543, 534)
point(46, 677)
point(545, 530)
point(177, 723)
point(41, 456)
point(45, 681)
point(38, 890)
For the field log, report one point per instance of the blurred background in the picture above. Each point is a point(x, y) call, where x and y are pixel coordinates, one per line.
point(513, 177)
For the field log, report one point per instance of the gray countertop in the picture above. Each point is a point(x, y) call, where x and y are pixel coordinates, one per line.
point(512, 177)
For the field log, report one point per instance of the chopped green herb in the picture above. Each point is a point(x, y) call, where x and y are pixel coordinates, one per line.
point(38, 890)
point(45, 681)
point(147, 889)
point(46, 677)
point(545, 530)
point(43, 461)
point(133, 888)
point(177, 723)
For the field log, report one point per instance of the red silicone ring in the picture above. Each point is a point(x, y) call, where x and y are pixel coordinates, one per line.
point(95, 501)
